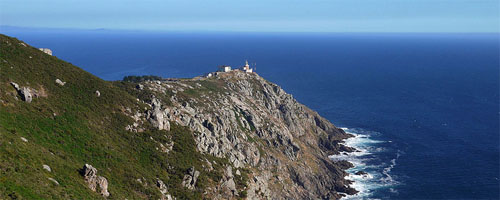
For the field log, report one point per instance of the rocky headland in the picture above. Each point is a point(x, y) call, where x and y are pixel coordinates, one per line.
point(228, 136)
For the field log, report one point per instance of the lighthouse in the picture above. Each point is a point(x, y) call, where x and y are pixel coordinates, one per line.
point(247, 68)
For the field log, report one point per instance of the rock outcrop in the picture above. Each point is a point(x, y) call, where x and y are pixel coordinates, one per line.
point(45, 50)
point(95, 183)
point(228, 184)
point(26, 93)
point(255, 125)
point(163, 190)
point(189, 180)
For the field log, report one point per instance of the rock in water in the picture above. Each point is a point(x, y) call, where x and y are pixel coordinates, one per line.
point(96, 183)
point(361, 173)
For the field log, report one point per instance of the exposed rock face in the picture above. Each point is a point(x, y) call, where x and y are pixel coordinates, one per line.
point(163, 190)
point(228, 185)
point(26, 94)
point(158, 117)
point(96, 183)
point(45, 50)
point(189, 180)
point(255, 125)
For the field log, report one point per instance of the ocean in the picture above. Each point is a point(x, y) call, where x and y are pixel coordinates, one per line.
point(424, 106)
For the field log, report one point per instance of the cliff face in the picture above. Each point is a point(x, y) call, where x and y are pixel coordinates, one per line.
point(233, 135)
point(257, 126)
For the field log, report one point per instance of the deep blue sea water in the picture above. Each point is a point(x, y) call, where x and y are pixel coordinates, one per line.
point(425, 106)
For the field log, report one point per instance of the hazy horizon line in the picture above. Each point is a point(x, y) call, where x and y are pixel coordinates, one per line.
point(34, 28)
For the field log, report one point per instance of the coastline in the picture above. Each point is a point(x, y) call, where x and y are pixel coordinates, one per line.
point(365, 176)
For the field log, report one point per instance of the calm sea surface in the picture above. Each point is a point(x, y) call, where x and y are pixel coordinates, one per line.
point(426, 106)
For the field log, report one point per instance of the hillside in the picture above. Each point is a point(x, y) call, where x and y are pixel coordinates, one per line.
point(234, 135)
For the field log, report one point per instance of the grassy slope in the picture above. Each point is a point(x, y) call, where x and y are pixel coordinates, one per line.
point(86, 129)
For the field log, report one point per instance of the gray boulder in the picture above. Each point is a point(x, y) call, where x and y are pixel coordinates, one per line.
point(96, 183)
point(26, 94)
point(60, 82)
point(190, 178)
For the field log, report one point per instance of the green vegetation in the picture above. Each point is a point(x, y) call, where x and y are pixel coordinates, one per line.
point(137, 79)
point(241, 181)
point(68, 126)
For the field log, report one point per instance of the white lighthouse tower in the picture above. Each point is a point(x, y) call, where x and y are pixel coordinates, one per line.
point(247, 68)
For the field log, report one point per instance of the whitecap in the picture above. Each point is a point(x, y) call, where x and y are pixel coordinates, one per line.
point(377, 176)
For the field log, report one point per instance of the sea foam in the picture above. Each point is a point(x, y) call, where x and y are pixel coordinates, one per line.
point(365, 158)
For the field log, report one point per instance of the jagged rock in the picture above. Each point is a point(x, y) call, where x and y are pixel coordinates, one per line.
point(162, 187)
point(157, 116)
point(360, 173)
point(46, 167)
point(255, 125)
point(140, 87)
point(60, 82)
point(229, 185)
point(15, 85)
point(25, 94)
point(97, 93)
point(189, 180)
point(96, 183)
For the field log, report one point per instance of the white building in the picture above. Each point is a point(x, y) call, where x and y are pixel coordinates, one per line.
point(224, 68)
point(247, 68)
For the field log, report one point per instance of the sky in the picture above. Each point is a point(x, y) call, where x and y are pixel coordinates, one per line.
point(257, 15)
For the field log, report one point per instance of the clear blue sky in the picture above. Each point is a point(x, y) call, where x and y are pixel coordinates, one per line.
point(257, 15)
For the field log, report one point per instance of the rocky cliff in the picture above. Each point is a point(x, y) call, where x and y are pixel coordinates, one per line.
point(232, 135)
point(256, 125)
